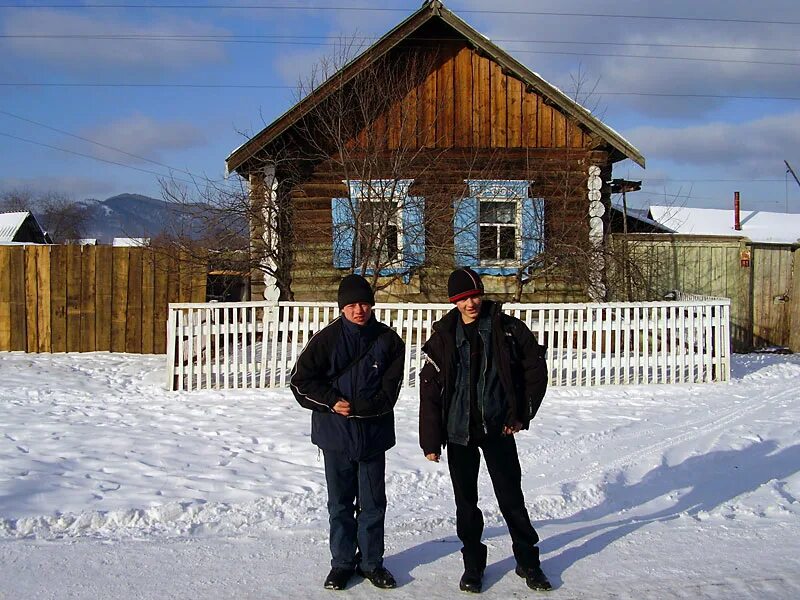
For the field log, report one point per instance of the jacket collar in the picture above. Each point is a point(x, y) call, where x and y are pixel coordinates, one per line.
point(449, 322)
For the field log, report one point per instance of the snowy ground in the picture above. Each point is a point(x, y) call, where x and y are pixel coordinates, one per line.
point(112, 487)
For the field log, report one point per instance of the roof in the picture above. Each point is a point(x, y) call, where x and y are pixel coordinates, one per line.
point(131, 242)
point(432, 9)
point(759, 226)
point(11, 223)
point(640, 214)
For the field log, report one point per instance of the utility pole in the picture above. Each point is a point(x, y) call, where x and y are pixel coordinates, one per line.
point(790, 170)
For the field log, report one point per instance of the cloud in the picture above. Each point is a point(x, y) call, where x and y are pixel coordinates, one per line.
point(654, 75)
point(752, 148)
point(143, 136)
point(118, 50)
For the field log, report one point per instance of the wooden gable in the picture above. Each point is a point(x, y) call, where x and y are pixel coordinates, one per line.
point(467, 100)
point(475, 95)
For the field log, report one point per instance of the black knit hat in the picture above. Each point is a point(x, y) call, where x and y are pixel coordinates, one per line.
point(354, 288)
point(464, 283)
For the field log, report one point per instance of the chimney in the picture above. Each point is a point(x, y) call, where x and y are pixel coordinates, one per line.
point(737, 221)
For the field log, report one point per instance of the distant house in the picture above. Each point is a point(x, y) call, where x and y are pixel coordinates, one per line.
point(83, 242)
point(758, 226)
point(21, 228)
point(435, 148)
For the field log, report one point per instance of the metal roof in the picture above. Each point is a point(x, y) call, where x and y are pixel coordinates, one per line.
point(10, 224)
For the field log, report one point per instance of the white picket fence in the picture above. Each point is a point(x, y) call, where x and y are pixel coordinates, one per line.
point(255, 344)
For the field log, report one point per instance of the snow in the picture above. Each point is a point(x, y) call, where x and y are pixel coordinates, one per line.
point(10, 224)
point(113, 487)
point(759, 226)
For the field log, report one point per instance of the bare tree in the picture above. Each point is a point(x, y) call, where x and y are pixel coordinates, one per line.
point(62, 218)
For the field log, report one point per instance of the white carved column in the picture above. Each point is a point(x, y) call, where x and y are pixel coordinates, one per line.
point(271, 241)
point(597, 289)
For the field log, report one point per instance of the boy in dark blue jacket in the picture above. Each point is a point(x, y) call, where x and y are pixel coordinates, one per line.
point(349, 374)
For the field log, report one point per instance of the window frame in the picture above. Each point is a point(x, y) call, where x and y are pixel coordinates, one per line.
point(500, 191)
point(374, 191)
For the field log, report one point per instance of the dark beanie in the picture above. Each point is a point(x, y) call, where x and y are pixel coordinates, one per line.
point(464, 283)
point(354, 288)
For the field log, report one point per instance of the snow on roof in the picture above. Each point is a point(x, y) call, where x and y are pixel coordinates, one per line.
point(10, 224)
point(131, 242)
point(757, 225)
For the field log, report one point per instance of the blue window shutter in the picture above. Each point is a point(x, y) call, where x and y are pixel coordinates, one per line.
point(343, 212)
point(465, 231)
point(532, 230)
point(413, 231)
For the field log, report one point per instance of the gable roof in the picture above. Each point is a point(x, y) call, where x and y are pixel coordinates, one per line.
point(12, 223)
point(432, 9)
point(758, 226)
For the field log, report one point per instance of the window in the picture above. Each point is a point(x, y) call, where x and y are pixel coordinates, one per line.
point(379, 225)
point(380, 231)
point(498, 228)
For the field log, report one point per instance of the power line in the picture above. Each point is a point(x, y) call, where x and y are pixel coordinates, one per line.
point(342, 8)
point(89, 156)
point(549, 52)
point(100, 144)
point(290, 87)
point(289, 40)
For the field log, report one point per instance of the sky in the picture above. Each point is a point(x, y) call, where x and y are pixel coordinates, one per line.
point(101, 98)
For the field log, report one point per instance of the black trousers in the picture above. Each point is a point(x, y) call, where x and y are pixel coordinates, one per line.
point(500, 454)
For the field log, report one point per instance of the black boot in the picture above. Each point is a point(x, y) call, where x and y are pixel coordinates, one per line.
point(534, 577)
point(380, 577)
point(471, 581)
point(337, 579)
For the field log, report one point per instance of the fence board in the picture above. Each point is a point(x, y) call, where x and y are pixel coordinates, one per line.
point(73, 298)
point(119, 299)
point(17, 297)
point(148, 302)
point(133, 329)
point(89, 299)
point(31, 301)
point(58, 298)
point(5, 299)
point(43, 314)
point(104, 266)
point(161, 301)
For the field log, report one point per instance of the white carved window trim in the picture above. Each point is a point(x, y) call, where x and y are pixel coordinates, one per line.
point(500, 191)
point(377, 191)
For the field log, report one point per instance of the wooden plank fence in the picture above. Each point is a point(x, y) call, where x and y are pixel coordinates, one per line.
point(255, 344)
point(91, 298)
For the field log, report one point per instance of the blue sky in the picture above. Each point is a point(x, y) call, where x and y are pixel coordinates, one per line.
point(709, 91)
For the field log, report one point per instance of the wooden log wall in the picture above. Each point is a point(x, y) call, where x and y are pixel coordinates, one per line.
point(91, 298)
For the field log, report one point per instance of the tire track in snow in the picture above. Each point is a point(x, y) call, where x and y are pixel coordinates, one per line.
point(698, 428)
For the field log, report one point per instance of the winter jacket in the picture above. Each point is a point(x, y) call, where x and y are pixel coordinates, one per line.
point(363, 365)
point(520, 365)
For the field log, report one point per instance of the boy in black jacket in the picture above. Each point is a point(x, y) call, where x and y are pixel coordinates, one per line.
point(483, 381)
point(349, 374)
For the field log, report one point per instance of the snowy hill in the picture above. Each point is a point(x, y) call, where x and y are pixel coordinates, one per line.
point(133, 215)
point(112, 487)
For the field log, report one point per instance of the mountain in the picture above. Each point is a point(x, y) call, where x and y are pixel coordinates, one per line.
point(133, 215)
